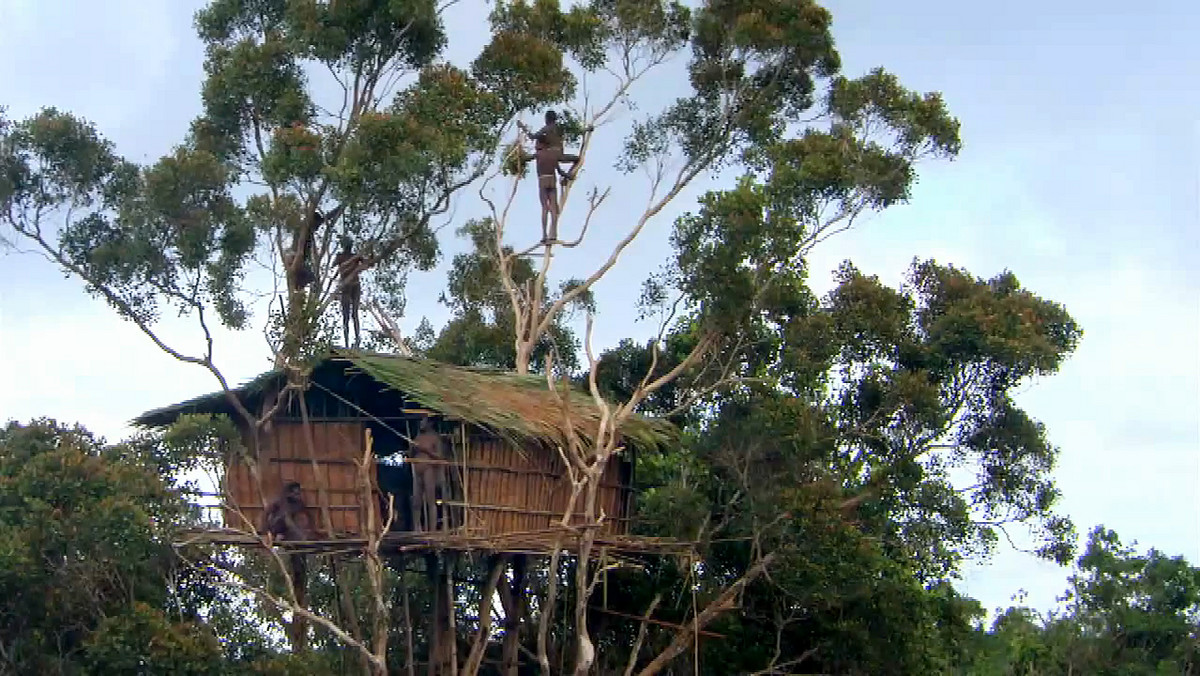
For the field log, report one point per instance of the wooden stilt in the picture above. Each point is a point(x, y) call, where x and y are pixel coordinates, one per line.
point(432, 570)
point(298, 629)
point(450, 639)
point(514, 614)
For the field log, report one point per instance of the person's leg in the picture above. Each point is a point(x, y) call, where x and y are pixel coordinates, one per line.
point(548, 194)
point(552, 198)
point(345, 317)
point(417, 499)
point(355, 304)
point(430, 487)
point(547, 167)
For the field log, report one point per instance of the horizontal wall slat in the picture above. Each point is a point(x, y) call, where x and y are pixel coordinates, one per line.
point(247, 510)
point(532, 512)
point(308, 461)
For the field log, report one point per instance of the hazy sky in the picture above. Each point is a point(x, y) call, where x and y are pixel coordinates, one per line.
point(1079, 173)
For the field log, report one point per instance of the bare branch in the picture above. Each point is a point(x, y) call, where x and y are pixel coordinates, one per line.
point(641, 635)
point(300, 610)
point(475, 657)
point(724, 602)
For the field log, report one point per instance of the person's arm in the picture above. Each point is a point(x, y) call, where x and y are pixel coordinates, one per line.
point(269, 517)
point(416, 449)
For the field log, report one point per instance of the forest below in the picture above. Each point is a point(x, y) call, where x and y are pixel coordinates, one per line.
point(839, 457)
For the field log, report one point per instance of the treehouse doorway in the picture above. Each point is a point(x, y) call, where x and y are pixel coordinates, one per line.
point(392, 474)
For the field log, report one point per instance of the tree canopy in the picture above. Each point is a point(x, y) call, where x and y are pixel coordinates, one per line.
point(89, 577)
point(842, 454)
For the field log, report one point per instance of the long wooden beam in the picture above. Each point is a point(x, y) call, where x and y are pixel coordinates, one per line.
point(529, 542)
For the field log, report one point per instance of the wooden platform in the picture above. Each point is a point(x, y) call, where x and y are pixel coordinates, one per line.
point(530, 542)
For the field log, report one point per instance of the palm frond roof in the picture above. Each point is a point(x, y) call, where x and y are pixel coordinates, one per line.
point(521, 408)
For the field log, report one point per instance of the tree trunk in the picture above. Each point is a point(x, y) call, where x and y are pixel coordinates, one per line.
point(522, 359)
point(434, 651)
point(450, 639)
point(346, 606)
point(514, 614)
point(410, 667)
point(585, 650)
point(443, 648)
point(298, 630)
point(483, 634)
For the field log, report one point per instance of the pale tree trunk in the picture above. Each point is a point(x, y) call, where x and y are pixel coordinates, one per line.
point(533, 320)
point(522, 359)
point(374, 530)
point(479, 645)
point(410, 667)
point(585, 650)
point(346, 606)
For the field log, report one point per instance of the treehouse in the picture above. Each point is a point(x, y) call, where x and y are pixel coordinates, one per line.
point(505, 485)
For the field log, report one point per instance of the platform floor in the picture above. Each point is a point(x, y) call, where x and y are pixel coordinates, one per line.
point(540, 542)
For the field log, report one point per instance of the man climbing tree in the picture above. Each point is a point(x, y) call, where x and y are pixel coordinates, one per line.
point(349, 287)
point(548, 155)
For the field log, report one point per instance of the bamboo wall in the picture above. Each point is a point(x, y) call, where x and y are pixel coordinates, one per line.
point(512, 490)
point(496, 487)
point(284, 456)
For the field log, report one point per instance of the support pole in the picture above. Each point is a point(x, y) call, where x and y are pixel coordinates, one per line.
point(434, 659)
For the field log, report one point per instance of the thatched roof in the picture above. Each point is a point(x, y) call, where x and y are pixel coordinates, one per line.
point(518, 407)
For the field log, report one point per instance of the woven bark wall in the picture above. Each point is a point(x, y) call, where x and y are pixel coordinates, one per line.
point(284, 456)
point(496, 487)
point(511, 490)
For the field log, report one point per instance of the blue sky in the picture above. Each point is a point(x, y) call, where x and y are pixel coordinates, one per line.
point(1080, 172)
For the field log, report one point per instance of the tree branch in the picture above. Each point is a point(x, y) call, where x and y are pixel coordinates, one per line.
point(725, 601)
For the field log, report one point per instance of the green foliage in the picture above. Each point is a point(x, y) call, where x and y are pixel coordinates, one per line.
point(403, 158)
point(753, 69)
point(843, 448)
point(481, 330)
point(167, 234)
point(85, 533)
point(741, 254)
point(376, 165)
point(256, 51)
point(145, 641)
point(1125, 614)
point(901, 387)
point(312, 664)
point(1147, 607)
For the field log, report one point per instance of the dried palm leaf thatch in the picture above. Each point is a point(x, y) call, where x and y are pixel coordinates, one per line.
point(520, 408)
